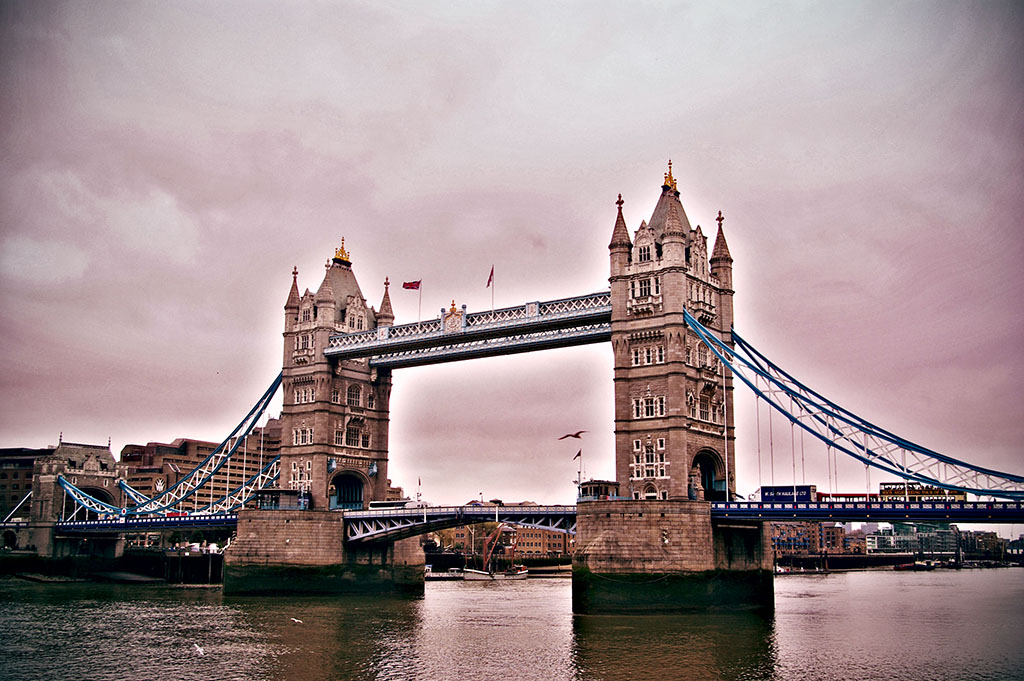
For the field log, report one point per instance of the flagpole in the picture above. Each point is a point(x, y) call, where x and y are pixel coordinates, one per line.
point(419, 308)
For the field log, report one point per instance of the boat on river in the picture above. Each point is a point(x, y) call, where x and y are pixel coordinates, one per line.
point(514, 572)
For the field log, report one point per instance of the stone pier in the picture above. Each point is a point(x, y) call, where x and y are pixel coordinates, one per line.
point(295, 551)
point(668, 556)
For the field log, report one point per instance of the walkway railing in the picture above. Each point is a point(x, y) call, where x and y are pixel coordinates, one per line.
point(883, 511)
point(554, 323)
point(389, 525)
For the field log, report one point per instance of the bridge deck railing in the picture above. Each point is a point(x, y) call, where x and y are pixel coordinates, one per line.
point(477, 324)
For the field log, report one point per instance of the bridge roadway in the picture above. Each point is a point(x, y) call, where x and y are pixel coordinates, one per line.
point(392, 524)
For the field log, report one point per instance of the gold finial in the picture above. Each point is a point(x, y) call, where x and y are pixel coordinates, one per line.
point(341, 254)
point(669, 180)
point(453, 310)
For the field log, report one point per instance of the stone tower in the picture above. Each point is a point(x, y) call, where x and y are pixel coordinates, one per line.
point(334, 420)
point(673, 406)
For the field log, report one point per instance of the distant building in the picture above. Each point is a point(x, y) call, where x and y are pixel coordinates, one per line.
point(16, 464)
point(155, 467)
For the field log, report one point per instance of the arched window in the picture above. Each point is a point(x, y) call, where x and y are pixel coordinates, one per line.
point(353, 397)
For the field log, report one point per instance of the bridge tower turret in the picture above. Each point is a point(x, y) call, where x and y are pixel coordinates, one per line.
point(672, 403)
point(334, 419)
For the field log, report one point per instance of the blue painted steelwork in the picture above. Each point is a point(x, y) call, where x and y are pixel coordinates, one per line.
point(896, 511)
point(188, 485)
point(532, 326)
point(389, 525)
point(140, 524)
point(847, 432)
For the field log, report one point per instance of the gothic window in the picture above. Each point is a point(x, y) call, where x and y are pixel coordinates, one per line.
point(644, 254)
point(657, 286)
point(359, 323)
point(643, 288)
point(352, 399)
point(304, 342)
point(335, 396)
point(352, 436)
point(365, 440)
point(370, 401)
point(661, 354)
point(649, 407)
point(702, 355)
point(661, 446)
point(339, 437)
point(705, 409)
point(636, 445)
point(312, 395)
point(305, 314)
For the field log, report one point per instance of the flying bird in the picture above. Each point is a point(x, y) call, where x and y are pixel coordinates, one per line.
point(199, 649)
point(297, 621)
point(575, 435)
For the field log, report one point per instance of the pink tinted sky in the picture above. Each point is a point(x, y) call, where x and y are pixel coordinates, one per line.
point(165, 165)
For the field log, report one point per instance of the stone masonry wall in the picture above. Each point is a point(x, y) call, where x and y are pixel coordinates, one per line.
point(644, 536)
point(287, 537)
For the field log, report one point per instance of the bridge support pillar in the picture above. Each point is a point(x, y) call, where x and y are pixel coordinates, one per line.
point(279, 551)
point(668, 556)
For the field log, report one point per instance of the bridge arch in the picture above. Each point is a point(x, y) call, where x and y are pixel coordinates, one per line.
point(711, 472)
point(71, 507)
point(10, 540)
point(347, 490)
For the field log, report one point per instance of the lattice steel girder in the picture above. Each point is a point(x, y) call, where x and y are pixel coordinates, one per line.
point(847, 432)
point(522, 320)
point(460, 349)
point(136, 524)
point(394, 524)
point(895, 511)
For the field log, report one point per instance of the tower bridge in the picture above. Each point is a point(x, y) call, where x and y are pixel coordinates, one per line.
point(668, 319)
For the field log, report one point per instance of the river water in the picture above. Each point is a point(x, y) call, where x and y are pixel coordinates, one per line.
point(859, 625)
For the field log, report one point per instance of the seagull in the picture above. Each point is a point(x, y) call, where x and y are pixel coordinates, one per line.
point(199, 649)
point(297, 621)
point(575, 435)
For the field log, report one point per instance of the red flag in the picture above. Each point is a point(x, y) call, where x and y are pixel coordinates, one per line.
point(490, 279)
point(414, 285)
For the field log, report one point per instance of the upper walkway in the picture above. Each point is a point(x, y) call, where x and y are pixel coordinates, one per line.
point(459, 335)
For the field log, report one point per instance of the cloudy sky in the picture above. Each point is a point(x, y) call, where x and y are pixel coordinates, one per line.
point(165, 165)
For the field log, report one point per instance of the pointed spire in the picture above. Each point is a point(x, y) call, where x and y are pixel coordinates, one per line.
point(620, 235)
point(293, 295)
point(325, 294)
point(386, 316)
point(673, 225)
point(721, 250)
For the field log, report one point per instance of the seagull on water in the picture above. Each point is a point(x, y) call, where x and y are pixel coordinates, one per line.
point(575, 435)
point(199, 649)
